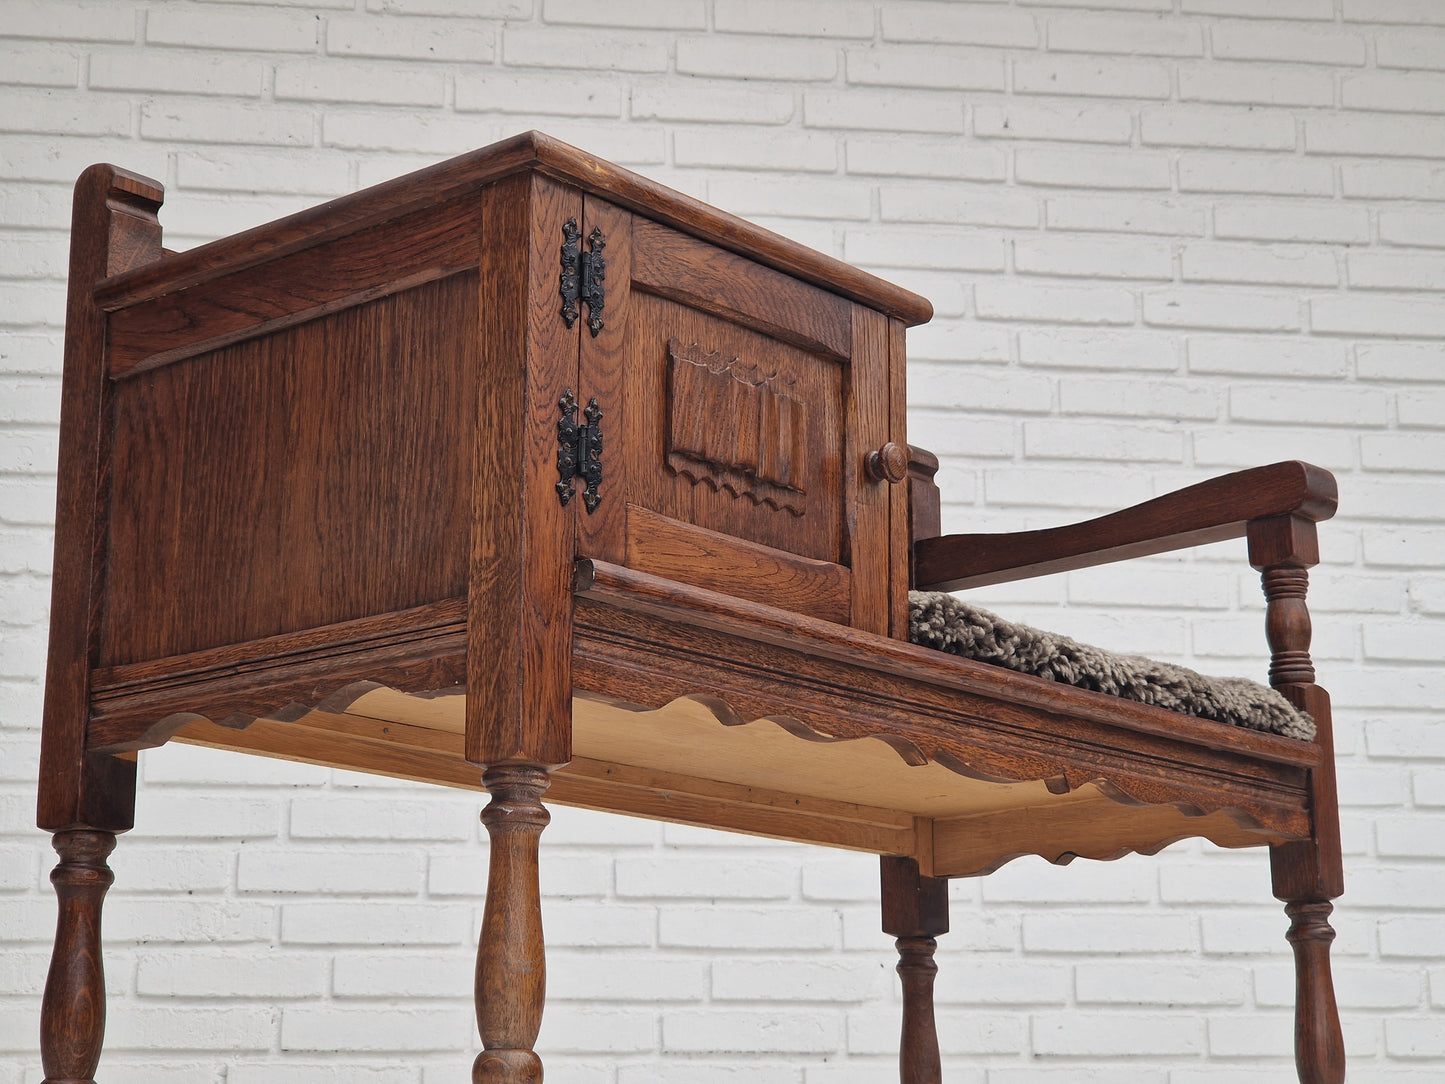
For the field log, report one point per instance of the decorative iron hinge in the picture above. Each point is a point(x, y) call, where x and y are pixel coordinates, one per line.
point(579, 450)
point(582, 275)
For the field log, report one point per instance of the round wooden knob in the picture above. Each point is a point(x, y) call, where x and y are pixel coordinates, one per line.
point(889, 463)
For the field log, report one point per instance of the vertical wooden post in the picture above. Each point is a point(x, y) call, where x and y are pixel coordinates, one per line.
point(83, 799)
point(72, 1016)
point(924, 503)
point(1307, 874)
point(1319, 1046)
point(113, 228)
point(915, 911)
point(519, 613)
point(511, 980)
point(519, 654)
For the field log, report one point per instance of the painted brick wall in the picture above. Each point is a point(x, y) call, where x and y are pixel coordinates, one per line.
point(1164, 238)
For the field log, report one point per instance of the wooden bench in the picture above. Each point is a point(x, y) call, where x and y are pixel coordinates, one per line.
point(525, 473)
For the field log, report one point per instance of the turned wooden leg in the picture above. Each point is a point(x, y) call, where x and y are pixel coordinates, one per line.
point(915, 911)
point(1319, 1046)
point(1307, 873)
point(918, 1061)
point(511, 963)
point(72, 1016)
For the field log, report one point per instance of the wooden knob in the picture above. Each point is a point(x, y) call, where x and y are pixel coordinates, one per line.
point(888, 464)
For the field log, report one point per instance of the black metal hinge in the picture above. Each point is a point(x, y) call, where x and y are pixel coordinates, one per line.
point(579, 451)
point(582, 275)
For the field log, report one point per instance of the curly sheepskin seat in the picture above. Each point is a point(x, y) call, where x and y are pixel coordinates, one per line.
point(941, 621)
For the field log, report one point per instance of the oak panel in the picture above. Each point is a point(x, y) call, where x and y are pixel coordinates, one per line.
point(702, 371)
point(701, 276)
point(345, 272)
point(313, 476)
point(679, 551)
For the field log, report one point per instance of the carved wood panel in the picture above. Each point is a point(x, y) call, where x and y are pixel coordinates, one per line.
point(733, 426)
point(745, 401)
point(695, 453)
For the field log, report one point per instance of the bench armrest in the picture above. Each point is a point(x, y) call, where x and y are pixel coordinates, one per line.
point(1211, 511)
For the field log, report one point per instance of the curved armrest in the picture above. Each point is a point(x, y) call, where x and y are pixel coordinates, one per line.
point(1208, 512)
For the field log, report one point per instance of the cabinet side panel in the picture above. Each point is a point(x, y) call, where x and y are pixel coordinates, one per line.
point(313, 475)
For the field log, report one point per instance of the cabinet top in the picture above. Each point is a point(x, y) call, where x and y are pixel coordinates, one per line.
point(453, 179)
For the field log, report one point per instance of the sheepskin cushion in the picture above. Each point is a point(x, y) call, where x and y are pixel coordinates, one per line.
point(941, 621)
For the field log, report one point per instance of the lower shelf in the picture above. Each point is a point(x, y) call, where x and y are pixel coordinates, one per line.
point(695, 762)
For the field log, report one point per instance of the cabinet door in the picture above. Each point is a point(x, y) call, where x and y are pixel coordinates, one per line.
point(743, 404)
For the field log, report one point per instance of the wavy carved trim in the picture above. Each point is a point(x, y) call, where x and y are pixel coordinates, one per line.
point(914, 753)
point(280, 677)
point(1001, 817)
point(648, 668)
point(1108, 816)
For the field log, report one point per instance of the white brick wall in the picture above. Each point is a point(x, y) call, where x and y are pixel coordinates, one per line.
point(1164, 238)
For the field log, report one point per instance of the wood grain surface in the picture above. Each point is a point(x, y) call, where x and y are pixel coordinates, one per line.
point(315, 475)
point(468, 173)
point(703, 610)
point(604, 374)
point(114, 229)
point(980, 726)
point(511, 975)
point(72, 1014)
point(343, 273)
point(1211, 511)
point(522, 536)
point(1307, 874)
point(867, 529)
point(684, 269)
point(723, 496)
point(915, 911)
point(673, 550)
